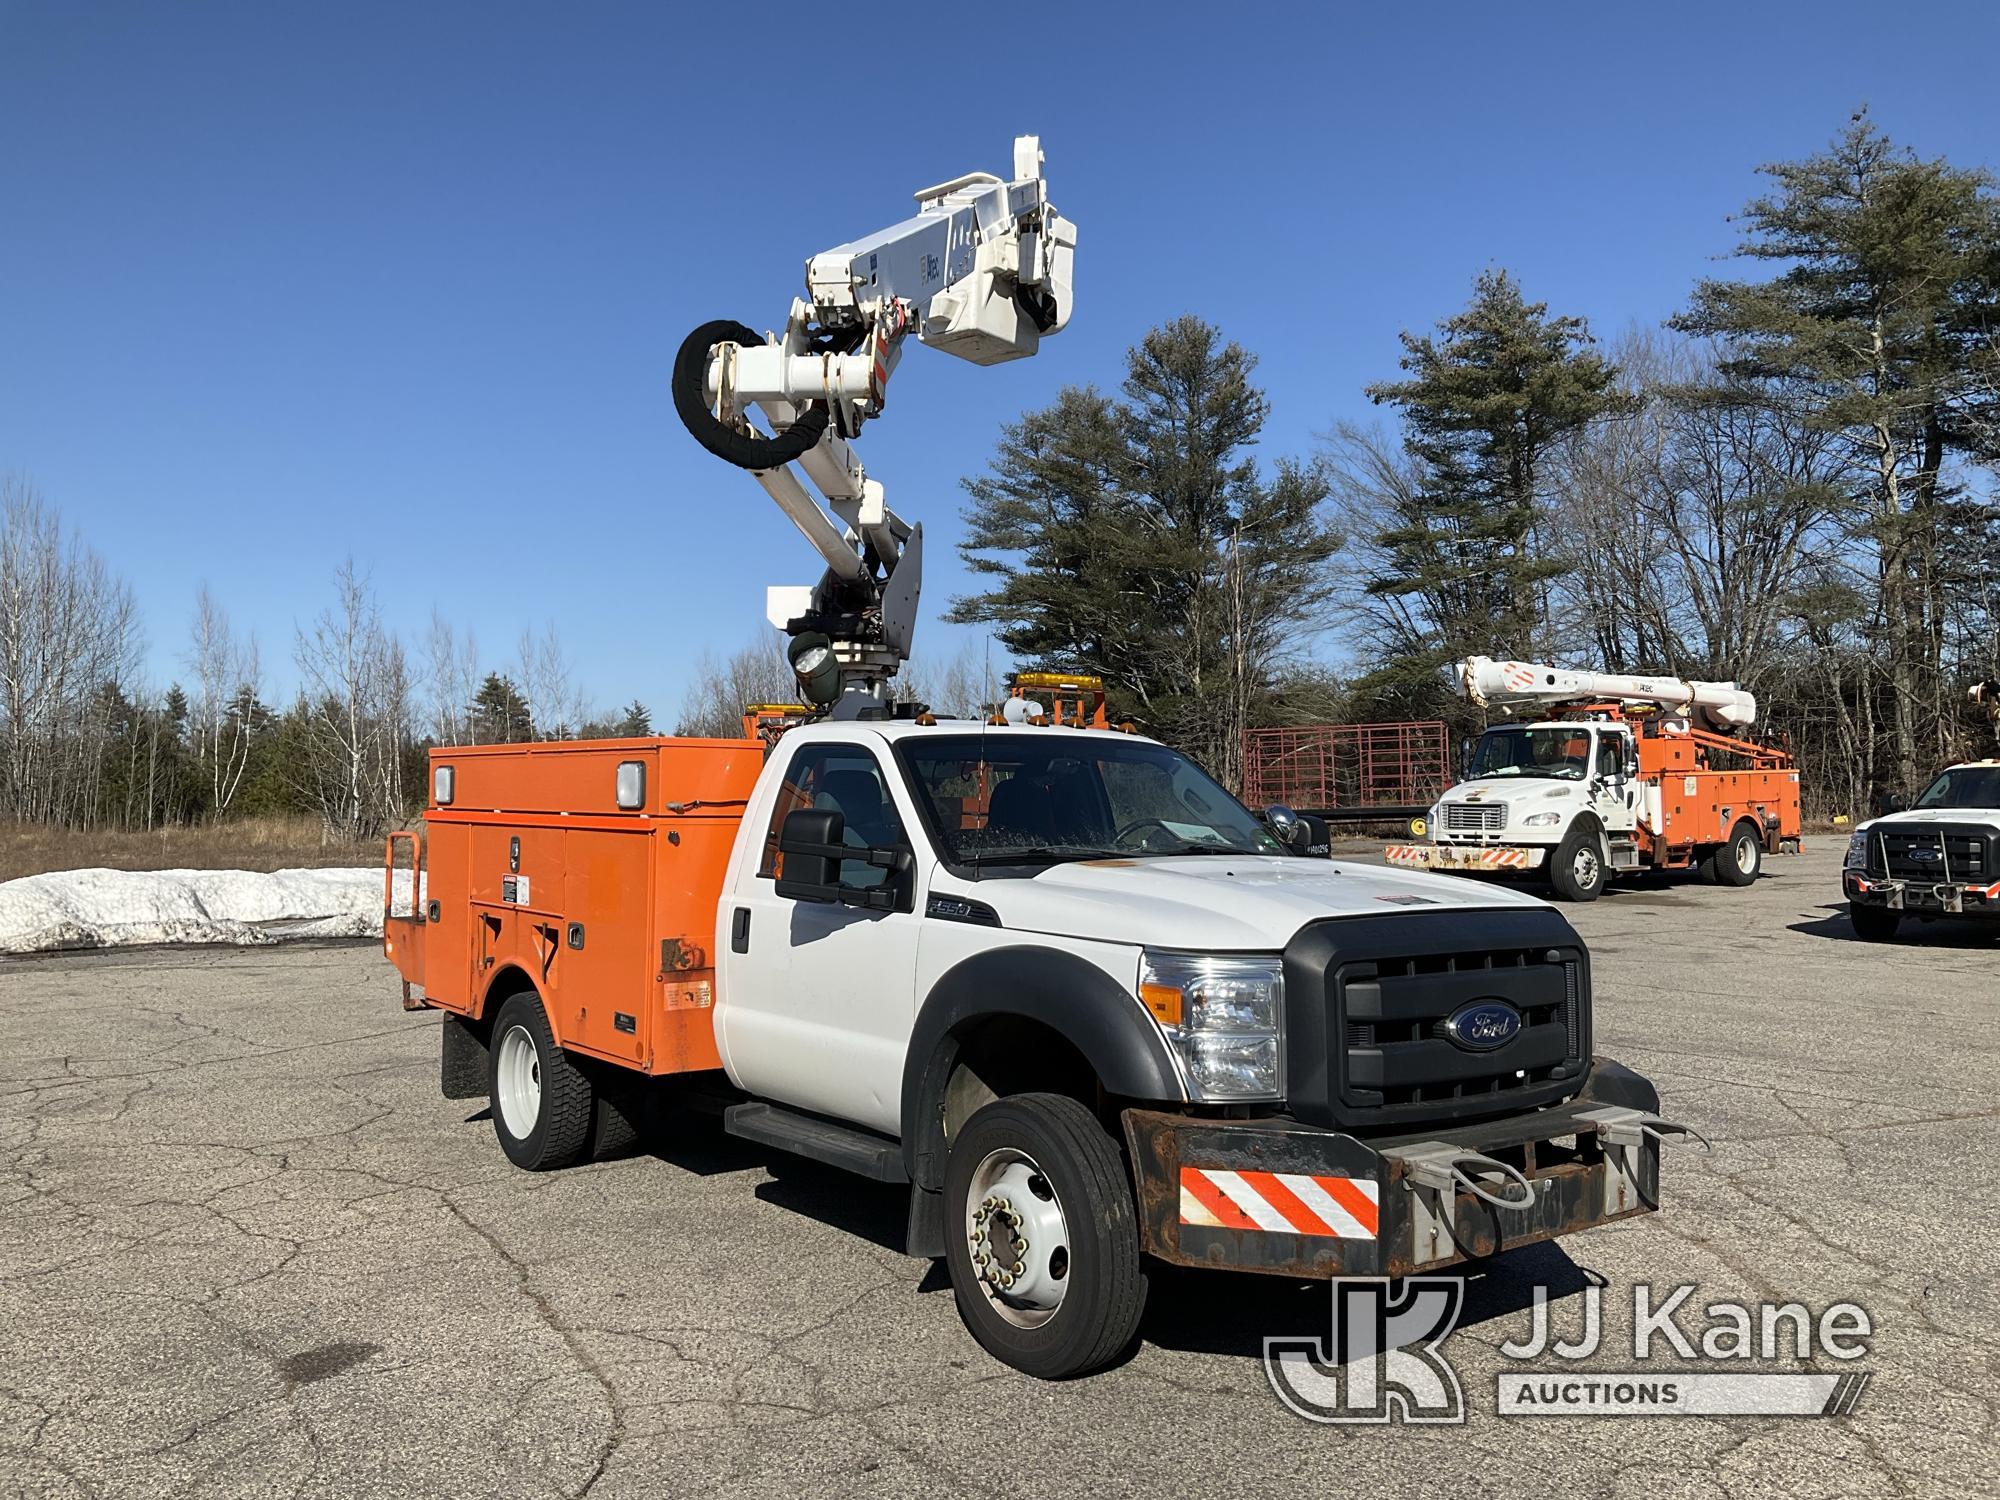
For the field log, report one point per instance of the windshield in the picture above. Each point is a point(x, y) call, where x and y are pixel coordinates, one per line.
point(1964, 786)
point(1040, 799)
point(1562, 752)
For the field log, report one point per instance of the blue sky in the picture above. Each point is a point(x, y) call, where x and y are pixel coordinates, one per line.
point(279, 282)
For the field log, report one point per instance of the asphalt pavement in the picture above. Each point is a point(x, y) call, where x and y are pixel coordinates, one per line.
point(246, 1248)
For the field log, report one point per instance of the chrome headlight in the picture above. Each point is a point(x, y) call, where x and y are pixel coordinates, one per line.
point(1541, 820)
point(1857, 852)
point(1224, 1017)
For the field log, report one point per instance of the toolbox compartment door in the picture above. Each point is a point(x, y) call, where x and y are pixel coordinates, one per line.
point(606, 973)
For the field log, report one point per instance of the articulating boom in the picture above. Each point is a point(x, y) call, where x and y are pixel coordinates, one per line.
point(982, 271)
point(1722, 705)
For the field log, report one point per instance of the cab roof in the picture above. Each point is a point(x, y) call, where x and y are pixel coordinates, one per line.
point(900, 729)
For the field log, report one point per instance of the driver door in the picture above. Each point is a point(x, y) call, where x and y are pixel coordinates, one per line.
point(1614, 796)
point(817, 997)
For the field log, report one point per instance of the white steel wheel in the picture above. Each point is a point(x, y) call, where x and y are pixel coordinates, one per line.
point(1044, 1260)
point(1018, 1237)
point(518, 1076)
point(1577, 871)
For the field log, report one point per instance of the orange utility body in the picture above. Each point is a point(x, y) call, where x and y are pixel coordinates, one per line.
point(1701, 797)
point(534, 868)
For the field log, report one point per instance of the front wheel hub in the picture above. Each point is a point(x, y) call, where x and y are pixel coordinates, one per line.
point(1017, 1238)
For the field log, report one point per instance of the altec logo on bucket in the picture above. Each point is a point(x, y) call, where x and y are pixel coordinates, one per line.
point(1384, 1362)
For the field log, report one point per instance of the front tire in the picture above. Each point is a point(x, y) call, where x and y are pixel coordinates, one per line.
point(1874, 924)
point(1042, 1239)
point(540, 1100)
point(1741, 860)
point(1578, 872)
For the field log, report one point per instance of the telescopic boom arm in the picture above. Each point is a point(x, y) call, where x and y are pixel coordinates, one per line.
point(1722, 705)
point(981, 271)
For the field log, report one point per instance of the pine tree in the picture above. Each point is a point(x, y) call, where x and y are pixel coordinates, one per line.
point(499, 714)
point(1137, 539)
point(1487, 399)
point(635, 723)
point(1881, 325)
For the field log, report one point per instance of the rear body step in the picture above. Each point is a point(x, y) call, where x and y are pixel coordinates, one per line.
point(845, 1146)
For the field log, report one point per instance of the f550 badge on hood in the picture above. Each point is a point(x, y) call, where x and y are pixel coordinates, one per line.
point(1483, 1025)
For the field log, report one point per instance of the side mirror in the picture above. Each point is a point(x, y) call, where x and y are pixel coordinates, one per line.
point(1285, 824)
point(810, 840)
point(1465, 759)
point(809, 873)
point(1895, 802)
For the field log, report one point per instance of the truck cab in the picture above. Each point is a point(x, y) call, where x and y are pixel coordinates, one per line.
point(1057, 980)
point(1937, 859)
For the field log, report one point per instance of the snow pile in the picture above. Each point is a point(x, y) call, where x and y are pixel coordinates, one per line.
point(120, 908)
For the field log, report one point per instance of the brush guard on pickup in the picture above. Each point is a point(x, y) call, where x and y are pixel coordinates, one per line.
point(1275, 1196)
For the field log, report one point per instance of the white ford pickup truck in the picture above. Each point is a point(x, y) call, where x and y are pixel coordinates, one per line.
point(1058, 981)
point(1938, 859)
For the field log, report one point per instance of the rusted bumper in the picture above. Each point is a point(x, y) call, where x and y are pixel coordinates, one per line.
point(1277, 1196)
point(1490, 859)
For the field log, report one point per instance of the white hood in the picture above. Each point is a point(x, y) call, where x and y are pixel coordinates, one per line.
point(1248, 903)
point(1516, 791)
point(1978, 817)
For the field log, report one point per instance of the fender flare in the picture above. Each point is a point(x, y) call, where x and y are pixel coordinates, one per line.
point(492, 993)
point(1068, 994)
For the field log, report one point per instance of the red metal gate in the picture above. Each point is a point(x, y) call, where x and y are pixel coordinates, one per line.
point(1331, 767)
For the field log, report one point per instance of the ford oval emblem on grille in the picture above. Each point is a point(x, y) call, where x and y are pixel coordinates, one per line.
point(1484, 1025)
point(1925, 854)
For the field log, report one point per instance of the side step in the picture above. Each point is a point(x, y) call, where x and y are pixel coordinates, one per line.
point(1624, 854)
point(846, 1146)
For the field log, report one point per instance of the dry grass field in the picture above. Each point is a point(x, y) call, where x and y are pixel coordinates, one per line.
point(264, 843)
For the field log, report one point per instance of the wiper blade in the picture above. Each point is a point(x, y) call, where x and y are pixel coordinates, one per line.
point(1042, 852)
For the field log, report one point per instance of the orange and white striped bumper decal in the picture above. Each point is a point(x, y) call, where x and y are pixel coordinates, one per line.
point(1430, 856)
point(1344, 1208)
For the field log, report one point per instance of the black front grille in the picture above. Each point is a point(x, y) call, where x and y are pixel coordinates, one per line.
point(1935, 853)
point(1386, 987)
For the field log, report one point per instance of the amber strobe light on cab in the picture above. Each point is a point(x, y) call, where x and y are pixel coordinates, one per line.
point(1223, 1014)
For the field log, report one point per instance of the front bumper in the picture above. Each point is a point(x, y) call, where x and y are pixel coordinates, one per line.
point(1276, 1196)
point(1923, 897)
point(1489, 858)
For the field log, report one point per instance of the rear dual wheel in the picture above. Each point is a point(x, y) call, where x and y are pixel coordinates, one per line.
point(1738, 862)
point(541, 1101)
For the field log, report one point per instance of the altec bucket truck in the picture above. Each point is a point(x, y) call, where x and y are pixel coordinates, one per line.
point(1050, 976)
point(1622, 773)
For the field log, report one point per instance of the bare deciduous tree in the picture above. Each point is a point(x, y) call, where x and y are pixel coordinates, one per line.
point(356, 691)
point(452, 677)
point(720, 689)
point(227, 680)
point(67, 627)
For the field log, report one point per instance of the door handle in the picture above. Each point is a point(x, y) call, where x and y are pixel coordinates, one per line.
point(739, 930)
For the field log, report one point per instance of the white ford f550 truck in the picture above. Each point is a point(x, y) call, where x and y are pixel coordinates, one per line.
point(1059, 981)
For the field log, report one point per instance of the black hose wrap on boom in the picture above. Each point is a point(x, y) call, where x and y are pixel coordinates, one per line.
point(690, 387)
